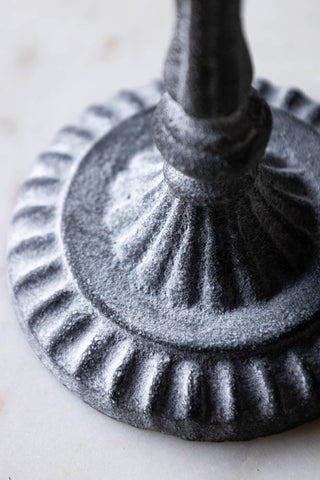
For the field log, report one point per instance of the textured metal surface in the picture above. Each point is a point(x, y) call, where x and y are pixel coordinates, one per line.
point(197, 374)
point(210, 125)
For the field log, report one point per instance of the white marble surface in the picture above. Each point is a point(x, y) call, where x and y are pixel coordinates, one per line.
point(57, 56)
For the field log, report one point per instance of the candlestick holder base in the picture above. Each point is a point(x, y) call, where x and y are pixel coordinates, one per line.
point(195, 320)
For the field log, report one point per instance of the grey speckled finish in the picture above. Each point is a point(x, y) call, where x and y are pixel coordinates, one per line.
point(210, 125)
point(195, 365)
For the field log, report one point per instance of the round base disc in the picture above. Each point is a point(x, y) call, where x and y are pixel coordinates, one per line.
point(117, 341)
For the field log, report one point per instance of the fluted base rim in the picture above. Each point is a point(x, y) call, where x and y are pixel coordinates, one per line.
point(196, 394)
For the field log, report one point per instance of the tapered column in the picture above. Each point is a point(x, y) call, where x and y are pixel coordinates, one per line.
point(210, 124)
point(208, 70)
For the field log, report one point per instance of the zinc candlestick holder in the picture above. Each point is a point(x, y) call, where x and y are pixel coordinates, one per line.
point(164, 252)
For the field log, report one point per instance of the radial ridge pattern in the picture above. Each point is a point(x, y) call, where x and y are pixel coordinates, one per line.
point(222, 256)
point(199, 394)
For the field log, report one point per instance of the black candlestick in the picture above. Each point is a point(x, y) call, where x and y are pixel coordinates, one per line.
point(164, 253)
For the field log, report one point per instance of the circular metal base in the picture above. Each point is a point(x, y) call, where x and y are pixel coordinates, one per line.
point(95, 302)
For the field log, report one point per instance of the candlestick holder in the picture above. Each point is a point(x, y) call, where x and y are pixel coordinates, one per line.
point(164, 252)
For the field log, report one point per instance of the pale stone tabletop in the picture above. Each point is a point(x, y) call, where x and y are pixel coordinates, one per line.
point(56, 57)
